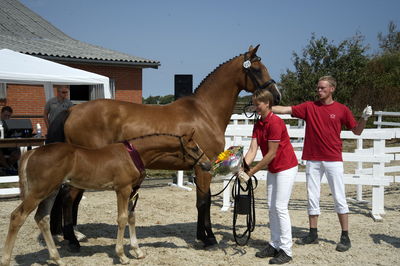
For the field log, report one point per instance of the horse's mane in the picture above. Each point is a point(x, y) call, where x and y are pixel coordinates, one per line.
point(215, 70)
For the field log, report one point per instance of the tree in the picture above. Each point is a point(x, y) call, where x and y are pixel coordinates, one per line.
point(320, 57)
point(390, 43)
point(159, 99)
point(381, 85)
point(167, 99)
point(152, 100)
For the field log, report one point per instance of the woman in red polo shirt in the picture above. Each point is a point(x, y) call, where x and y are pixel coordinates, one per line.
point(270, 134)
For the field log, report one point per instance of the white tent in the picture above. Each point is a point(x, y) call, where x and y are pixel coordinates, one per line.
point(20, 68)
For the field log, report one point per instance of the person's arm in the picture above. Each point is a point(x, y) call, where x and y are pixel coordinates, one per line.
point(266, 160)
point(252, 152)
point(360, 127)
point(279, 109)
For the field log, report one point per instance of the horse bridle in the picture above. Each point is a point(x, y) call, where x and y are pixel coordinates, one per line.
point(184, 153)
point(249, 73)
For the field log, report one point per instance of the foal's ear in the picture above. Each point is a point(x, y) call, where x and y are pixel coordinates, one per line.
point(253, 51)
point(192, 133)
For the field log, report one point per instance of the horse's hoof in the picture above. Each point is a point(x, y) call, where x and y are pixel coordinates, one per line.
point(74, 247)
point(59, 262)
point(124, 260)
point(5, 261)
point(138, 253)
point(210, 242)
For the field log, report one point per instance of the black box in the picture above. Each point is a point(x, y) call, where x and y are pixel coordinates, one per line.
point(17, 128)
point(183, 85)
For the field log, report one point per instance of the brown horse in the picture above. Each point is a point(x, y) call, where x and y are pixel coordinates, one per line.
point(101, 122)
point(44, 169)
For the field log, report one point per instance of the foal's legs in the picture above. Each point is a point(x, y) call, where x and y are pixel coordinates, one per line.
point(138, 253)
point(42, 218)
point(122, 202)
point(17, 219)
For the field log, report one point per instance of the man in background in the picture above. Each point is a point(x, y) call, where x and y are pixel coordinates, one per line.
point(8, 156)
point(56, 105)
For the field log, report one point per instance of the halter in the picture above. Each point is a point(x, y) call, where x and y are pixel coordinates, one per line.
point(183, 150)
point(249, 73)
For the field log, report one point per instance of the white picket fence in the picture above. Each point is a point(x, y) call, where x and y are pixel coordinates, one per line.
point(9, 192)
point(239, 133)
point(379, 121)
point(12, 191)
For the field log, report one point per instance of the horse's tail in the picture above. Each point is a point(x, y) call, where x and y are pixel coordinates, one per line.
point(23, 176)
point(55, 132)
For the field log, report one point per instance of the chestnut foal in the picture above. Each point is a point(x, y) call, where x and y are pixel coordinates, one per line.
point(45, 169)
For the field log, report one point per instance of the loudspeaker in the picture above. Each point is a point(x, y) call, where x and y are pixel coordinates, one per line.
point(17, 128)
point(183, 85)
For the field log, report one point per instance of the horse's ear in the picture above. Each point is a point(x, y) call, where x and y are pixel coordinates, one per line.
point(192, 133)
point(253, 51)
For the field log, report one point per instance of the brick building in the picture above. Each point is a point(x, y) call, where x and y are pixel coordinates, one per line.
point(24, 31)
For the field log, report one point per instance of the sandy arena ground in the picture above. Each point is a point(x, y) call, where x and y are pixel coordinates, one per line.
point(166, 227)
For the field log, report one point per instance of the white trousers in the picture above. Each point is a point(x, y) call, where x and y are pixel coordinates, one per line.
point(279, 189)
point(334, 173)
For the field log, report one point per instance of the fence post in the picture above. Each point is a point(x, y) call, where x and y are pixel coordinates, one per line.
point(179, 181)
point(226, 204)
point(359, 167)
point(379, 119)
point(378, 192)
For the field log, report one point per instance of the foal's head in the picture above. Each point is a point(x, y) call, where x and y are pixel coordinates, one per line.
point(192, 154)
point(257, 75)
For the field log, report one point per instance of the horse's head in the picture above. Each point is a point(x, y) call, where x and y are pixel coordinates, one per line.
point(257, 75)
point(192, 154)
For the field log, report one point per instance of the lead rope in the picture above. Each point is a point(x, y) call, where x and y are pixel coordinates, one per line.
point(244, 205)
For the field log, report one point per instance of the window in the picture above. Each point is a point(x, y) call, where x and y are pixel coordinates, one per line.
point(79, 93)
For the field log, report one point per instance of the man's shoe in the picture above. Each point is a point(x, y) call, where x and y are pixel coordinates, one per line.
point(281, 258)
point(269, 251)
point(308, 239)
point(344, 244)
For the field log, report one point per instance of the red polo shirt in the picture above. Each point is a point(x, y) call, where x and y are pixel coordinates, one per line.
point(273, 128)
point(323, 126)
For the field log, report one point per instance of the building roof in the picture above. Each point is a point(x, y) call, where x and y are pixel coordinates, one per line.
point(24, 31)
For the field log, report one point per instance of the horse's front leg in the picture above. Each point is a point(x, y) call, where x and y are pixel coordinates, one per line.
point(76, 195)
point(138, 253)
point(203, 204)
point(68, 226)
point(122, 202)
point(42, 218)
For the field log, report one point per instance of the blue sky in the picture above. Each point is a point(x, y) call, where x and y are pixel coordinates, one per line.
point(194, 37)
